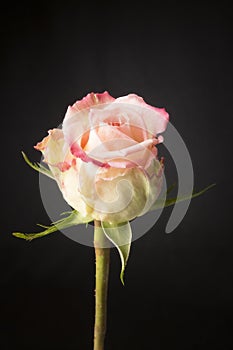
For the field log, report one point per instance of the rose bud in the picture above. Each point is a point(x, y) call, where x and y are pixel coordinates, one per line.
point(104, 158)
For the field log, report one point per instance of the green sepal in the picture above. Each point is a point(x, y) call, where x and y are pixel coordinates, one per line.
point(73, 219)
point(120, 236)
point(38, 167)
point(162, 203)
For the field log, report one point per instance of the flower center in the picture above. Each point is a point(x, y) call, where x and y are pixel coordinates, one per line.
point(115, 120)
point(114, 123)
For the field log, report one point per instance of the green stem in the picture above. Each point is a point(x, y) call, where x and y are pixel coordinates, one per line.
point(102, 256)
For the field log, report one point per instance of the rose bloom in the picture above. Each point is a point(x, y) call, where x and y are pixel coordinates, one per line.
point(104, 159)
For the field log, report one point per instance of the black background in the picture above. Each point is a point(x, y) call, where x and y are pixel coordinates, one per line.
point(179, 287)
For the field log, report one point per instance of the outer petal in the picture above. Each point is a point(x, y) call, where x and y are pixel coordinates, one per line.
point(91, 100)
point(56, 152)
point(70, 190)
point(117, 195)
point(64, 168)
point(76, 122)
point(155, 119)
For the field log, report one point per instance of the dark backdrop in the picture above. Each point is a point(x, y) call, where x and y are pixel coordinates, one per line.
point(178, 292)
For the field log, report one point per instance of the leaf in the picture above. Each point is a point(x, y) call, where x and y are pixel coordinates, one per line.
point(38, 167)
point(121, 237)
point(73, 219)
point(161, 203)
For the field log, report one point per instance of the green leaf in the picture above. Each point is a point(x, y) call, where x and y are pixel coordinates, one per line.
point(121, 237)
point(73, 219)
point(38, 167)
point(161, 203)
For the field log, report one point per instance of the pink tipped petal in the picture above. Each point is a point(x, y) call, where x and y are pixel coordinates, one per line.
point(40, 146)
point(76, 122)
point(52, 133)
point(118, 153)
point(122, 153)
point(91, 100)
point(56, 151)
point(137, 100)
point(77, 151)
point(155, 119)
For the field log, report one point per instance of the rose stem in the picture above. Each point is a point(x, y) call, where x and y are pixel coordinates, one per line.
point(102, 256)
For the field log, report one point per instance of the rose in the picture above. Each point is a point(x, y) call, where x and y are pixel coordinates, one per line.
point(104, 158)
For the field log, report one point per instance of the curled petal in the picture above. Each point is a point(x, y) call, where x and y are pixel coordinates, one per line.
point(41, 146)
point(77, 151)
point(76, 122)
point(91, 100)
point(155, 119)
point(119, 153)
point(56, 152)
